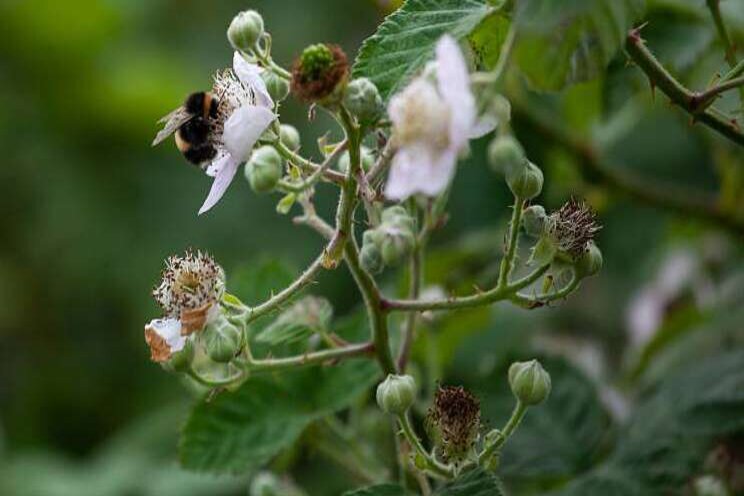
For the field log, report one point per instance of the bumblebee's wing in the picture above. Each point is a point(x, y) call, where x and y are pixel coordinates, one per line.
point(172, 121)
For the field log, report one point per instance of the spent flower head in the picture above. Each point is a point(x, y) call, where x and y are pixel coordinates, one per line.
point(319, 72)
point(572, 227)
point(190, 289)
point(453, 422)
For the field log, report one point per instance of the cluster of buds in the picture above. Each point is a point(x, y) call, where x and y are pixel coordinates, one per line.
point(567, 234)
point(389, 242)
point(189, 294)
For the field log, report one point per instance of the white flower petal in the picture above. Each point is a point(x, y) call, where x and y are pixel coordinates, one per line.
point(222, 180)
point(250, 75)
point(243, 128)
point(454, 86)
point(170, 331)
point(417, 169)
point(485, 124)
point(217, 164)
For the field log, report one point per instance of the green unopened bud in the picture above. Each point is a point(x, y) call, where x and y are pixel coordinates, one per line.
point(290, 137)
point(363, 100)
point(506, 156)
point(264, 169)
point(398, 238)
point(370, 255)
point(277, 86)
point(526, 183)
point(533, 220)
point(590, 262)
point(245, 30)
point(367, 160)
point(180, 361)
point(396, 393)
point(529, 382)
point(222, 339)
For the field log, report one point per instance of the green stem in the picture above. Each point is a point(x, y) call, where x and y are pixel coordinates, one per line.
point(414, 288)
point(307, 165)
point(316, 357)
point(516, 417)
point(677, 93)
point(432, 465)
point(485, 298)
point(507, 263)
point(314, 177)
point(542, 299)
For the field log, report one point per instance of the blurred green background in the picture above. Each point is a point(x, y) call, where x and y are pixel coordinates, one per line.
point(90, 210)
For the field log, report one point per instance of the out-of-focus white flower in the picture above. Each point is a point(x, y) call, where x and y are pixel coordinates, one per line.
point(164, 338)
point(245, 111)
point(432, 124)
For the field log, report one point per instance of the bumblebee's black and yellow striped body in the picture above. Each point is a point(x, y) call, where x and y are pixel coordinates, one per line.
point(192, 137)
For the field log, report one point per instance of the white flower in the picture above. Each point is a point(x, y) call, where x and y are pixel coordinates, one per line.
point(246, 110)
point(432, 124)
point(164, 338)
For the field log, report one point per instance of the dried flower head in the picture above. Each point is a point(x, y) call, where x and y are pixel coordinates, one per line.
point(454, 422)
point(318, 72)
point(191, 286)
point(573, 227)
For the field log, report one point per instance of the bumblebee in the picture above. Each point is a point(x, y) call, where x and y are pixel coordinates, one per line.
point(192, 124)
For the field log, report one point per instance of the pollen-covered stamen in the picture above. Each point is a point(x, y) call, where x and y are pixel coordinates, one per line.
point(573, 226)
point(454, 420)
point(191, 285)
point(231, 94)
point(420, 115)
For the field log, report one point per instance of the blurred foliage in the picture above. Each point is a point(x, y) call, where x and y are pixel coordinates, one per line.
point(90, 211)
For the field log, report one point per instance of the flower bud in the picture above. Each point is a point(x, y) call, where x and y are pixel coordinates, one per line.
point(264, 169)
point(319, 75)
point(363, 100)
point(245, 30)
point(396, 393)
point(397, 234)
point(222, 339)
point(506, 156)
point(367, 160)
point(370, 255)
point(290, 137)
point(277, 86)
point(526, 183)
point(590, 262)
point(529, 382)
point(533, 220)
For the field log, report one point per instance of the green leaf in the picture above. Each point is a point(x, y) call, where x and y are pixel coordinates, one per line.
point(477, 482)
point(242, 430)
point(307, 316)
point(405, 41)
point(560, 42)
point(672, 432)
point(380, 490)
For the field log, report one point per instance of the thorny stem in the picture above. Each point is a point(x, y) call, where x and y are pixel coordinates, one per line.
point(667, 196)
point(485, 298)
point(316, 357)
point(308, 182)
point(688, 100)
point(307, 165)
point(516, 417)
point(533, 301)
point(432, 465)
point(507, 263)
point(714, 6)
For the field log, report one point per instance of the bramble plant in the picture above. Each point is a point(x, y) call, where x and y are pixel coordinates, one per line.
point(404, 123)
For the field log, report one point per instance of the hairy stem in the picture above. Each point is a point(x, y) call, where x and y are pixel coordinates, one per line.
point(507, 263)
point(516, 417)
point(432, 465)
point(316, 357)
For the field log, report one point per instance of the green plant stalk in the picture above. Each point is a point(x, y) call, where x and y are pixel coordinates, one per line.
point(516, 417)
point(432, 465)
point(307, 165)
point(316, 175)
point(414, 288)
point(507, 263)
point(541, 299)
point(316, 357)
point(484, 298)
point(677, 93)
